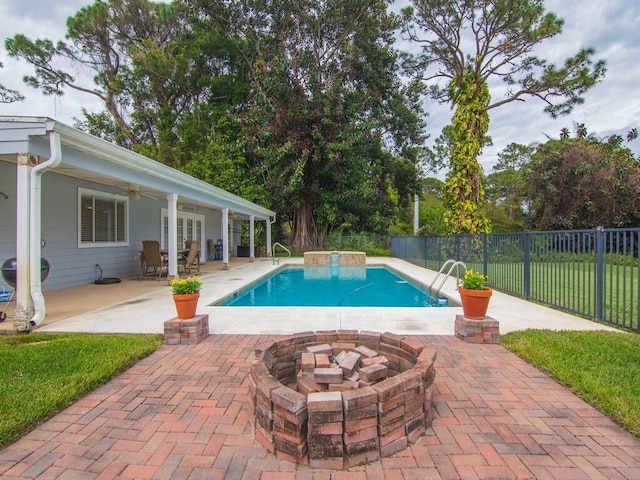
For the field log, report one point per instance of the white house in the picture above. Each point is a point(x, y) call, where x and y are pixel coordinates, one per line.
point(80, 201)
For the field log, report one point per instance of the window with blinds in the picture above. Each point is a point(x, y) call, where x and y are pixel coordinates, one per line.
point(102, 218)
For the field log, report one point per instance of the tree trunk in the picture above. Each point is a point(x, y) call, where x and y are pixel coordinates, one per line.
point(304, 229)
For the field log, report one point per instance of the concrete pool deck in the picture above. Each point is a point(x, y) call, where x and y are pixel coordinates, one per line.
point(147, 313)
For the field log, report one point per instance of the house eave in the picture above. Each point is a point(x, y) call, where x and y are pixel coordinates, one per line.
point(187, 186)
point(132, 160)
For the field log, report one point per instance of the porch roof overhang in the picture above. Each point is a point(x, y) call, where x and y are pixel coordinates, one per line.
point(110, 164)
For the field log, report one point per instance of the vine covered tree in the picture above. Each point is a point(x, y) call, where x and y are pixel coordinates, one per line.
point(467, 43)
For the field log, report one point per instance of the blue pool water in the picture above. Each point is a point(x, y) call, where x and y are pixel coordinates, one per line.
point(335, 287)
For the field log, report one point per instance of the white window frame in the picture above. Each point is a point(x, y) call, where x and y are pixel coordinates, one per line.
point(104, 196)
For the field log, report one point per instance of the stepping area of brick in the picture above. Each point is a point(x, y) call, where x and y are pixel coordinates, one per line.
point(182, 413)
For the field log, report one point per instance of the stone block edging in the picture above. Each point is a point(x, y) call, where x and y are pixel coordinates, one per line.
point(340, 429)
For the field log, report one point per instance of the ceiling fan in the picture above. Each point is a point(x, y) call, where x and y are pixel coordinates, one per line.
point(134, 193)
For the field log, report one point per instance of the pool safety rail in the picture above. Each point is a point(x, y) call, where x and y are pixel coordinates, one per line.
point(451, 264)
point(276, 261)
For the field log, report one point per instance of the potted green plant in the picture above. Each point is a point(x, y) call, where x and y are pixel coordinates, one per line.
point(474, 295)
point(186, 292)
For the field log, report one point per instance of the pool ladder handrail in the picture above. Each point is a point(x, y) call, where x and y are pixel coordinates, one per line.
point(454, 264)
point(273, 252)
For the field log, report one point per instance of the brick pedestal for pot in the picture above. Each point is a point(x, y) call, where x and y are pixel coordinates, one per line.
point(469, 330)
point(190, 331)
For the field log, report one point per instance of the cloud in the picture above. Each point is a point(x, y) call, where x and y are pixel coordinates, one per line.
point(39, 19)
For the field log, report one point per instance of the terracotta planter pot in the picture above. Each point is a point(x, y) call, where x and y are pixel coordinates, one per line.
point(475, 302)
point(186, 305)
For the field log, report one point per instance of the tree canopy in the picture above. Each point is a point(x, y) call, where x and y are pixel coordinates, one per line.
point(328, 128)
point(151, 69)
point(584, 182)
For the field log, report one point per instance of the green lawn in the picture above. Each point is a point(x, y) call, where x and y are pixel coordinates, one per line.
point(601, 367)
point(571, 286)
point(41, 374)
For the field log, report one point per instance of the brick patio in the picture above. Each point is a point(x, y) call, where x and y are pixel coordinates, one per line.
point(183, 413)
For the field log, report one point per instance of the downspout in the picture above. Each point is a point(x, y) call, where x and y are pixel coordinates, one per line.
point(252, 243)
point(35, 255)
point(225, 239)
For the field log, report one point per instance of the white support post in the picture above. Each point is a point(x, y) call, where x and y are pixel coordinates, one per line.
point(24, 304)
point(172, 243)
point(225, 239)
point(252, 220)
point(269, 252)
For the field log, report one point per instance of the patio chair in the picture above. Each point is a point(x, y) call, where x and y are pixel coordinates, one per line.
point(192, 260)
point(152, 259)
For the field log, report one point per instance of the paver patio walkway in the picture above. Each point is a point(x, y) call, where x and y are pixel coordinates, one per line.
point(182, 413)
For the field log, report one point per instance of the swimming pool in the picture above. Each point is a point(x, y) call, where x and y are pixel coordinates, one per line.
point(333, 286)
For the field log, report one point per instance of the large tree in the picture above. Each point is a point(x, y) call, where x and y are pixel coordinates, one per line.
point(467, 43)
point(584, 182)
point(161, 77)
point(104, 37)
point(297, 105)
point(329, 129)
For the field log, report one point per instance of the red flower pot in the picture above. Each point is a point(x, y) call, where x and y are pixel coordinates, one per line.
point(475, 302)
point(186, 305)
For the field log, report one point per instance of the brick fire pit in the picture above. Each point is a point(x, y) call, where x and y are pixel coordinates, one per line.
point(339, 398)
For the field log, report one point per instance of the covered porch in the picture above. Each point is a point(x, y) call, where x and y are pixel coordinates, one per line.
point(81, 203)
point(70, 302)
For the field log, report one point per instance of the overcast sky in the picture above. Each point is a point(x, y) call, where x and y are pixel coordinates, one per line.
point(612, 27)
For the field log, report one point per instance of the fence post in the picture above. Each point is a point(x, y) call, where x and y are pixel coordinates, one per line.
point(600, 244)
point(457, 246)
point(527, 265)
point(485, 255)
point(424, 249)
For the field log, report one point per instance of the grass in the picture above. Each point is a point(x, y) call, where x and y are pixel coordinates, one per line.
point(601, 367)
point(571, 287)
point(41, 374)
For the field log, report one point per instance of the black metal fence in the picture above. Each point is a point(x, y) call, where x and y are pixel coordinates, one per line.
point(591, 273)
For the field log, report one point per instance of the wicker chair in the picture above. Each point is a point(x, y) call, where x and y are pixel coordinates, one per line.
point(152, 259)
point(191, 261)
